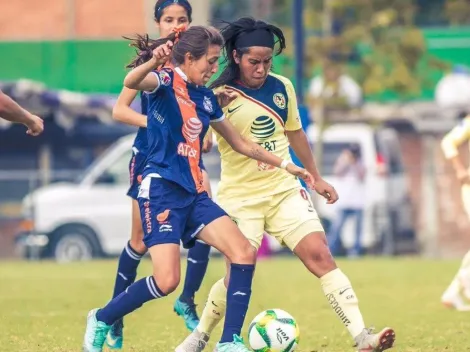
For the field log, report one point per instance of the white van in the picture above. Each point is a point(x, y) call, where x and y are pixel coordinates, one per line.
point(388, 214)
point(89, 218)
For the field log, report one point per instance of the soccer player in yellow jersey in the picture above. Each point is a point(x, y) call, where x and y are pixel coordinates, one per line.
point(459, 290)
point(258, 197)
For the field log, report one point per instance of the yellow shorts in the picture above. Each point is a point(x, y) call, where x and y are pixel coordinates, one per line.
point(287, 216)
point(466, 198)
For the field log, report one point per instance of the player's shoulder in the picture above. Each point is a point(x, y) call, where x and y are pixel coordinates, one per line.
point(166, 75)
point(281, 80)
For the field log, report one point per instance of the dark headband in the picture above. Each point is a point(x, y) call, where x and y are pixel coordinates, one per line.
point(165, 4)
point(256, 37)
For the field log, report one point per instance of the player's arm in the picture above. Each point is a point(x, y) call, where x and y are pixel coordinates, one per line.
point(123, 112)
point(208, 141)
point(11, 111)
point(299, 144)
point(450, 144)
point(143, 77)
point(252, 150)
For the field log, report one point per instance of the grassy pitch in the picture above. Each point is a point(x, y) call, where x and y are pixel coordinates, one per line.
point(43, 305)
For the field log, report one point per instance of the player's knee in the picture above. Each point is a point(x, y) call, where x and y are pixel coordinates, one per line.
point(138, 245)
point(168, 283)
point(245, 253)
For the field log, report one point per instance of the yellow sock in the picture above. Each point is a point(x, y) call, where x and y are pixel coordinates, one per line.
point(214, 311)
point(343, 300)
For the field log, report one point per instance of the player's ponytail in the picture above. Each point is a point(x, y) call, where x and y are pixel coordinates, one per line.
point(144, 47)
point(239, 36)
point(196, 41)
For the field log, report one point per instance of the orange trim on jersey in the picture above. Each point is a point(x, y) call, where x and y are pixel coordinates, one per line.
point(188, 111)
point(244, 95)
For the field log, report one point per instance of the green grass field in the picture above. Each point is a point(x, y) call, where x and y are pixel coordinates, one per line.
point(43, 305)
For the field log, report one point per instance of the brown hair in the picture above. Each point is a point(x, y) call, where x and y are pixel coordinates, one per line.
point(196, 41)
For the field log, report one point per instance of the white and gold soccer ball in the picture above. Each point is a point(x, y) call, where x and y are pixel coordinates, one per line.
point(273, 330)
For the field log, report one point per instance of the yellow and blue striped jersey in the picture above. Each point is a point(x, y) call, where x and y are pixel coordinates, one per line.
point(262, 115)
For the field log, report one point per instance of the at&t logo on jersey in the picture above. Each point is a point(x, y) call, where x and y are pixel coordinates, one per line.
point(187, 151)
point(165, 78)
point(192, 128)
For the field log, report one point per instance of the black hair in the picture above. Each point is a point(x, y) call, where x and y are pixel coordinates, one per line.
point(162, 4)
point(231, 33)
point(196, 41)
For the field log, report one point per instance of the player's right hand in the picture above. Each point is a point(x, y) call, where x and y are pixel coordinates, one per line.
point(162, 53)
point(35, 125)
point(225, 97)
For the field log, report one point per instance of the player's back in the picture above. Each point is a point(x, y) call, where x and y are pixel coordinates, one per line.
point(263, 116)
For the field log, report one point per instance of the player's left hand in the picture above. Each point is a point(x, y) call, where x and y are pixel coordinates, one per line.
point(225, 97)
point(326, 190)
point(301, 173)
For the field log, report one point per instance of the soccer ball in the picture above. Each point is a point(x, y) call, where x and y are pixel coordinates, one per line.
point(273, 330)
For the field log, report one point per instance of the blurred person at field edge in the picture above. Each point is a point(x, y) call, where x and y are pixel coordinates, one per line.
point(351, 173)
point(337, 89)
point(457, 295)
point(453, 90)
point(11, 111)
point(168, 15)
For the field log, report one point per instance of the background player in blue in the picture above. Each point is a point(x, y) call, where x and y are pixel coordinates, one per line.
point(168, 15)
point(174, 205)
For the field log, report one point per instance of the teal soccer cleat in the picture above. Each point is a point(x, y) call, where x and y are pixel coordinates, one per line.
point(187, 310)
point(95, 334)
point(237, 345)
point(115, 337)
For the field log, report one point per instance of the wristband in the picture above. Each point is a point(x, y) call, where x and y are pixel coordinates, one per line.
point(284, 164)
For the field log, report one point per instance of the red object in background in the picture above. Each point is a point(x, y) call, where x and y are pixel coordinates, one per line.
point(264, 250)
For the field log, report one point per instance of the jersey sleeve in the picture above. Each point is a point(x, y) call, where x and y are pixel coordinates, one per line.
point(164, 79)
point(293, 122)
point(218, 114)
point(452, 140)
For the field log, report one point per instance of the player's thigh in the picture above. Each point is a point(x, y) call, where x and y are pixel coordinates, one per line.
point(292, 217)
point(164, 213)
point(249, 216)
point(166, 266)
point(466, 198)
point(225, 236)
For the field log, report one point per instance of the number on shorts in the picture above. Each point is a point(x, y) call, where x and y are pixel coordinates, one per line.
point(304, 195)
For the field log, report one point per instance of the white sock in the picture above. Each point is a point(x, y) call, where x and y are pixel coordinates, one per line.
point(343, 300)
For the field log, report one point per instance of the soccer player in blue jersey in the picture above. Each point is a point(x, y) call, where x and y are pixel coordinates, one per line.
point(173, 203)
point(261, 198)
point(168, 15)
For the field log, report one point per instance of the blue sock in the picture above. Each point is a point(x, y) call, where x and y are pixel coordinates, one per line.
point(127, 269)
point(198, 258)
point(134, 297)
point(238, 298)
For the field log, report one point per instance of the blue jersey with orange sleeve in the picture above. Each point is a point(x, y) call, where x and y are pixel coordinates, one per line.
point(179, 114)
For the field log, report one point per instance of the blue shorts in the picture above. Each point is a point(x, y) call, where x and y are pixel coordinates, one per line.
point(170, 214)
point(136, 169)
